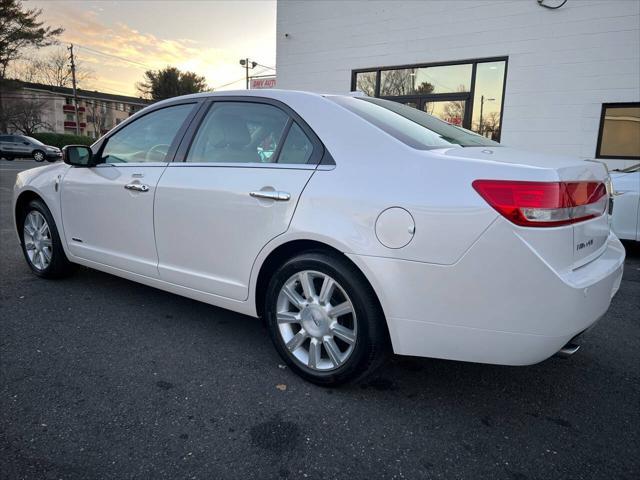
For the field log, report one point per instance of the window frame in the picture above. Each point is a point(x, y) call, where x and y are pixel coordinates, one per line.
point(319, 156)
point(100, 145)
point(469, 97)
point(603, 112)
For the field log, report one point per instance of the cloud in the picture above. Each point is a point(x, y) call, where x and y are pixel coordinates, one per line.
point(86, 31)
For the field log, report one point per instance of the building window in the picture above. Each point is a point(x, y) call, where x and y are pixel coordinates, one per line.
point(466, 93)
point(619, 134)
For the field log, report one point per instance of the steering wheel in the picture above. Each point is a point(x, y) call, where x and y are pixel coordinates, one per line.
point(159, 149)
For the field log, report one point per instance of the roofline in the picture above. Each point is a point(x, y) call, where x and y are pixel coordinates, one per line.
point(91, 94)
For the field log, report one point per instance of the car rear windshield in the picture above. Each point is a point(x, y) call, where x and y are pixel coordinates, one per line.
point(410, 125)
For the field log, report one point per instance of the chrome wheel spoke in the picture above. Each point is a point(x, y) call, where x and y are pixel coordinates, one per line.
point(327, 290)
point(333, 351)
point(344, 334)
point(46, 242)
point(29, 246)
point(307, 285)
point(46, 254)
point(314, 353)
point(295, 299)
point(341, 309)
point(297, 340)
point(288, 317)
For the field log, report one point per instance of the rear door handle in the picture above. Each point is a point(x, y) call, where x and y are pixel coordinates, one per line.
point(271, 195)
point(137, 187)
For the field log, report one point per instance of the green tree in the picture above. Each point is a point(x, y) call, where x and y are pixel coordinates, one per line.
point(170, 82)
point(19, 28)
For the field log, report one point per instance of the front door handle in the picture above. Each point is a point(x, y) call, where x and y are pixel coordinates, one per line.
point(272, 195)
point(137, 187)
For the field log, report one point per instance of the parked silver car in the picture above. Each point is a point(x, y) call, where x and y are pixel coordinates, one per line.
point(21, 146)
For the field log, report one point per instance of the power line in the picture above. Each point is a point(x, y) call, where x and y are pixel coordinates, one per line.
point(124, 59)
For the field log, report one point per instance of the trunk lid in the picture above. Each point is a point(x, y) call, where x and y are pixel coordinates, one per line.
point(588, 238)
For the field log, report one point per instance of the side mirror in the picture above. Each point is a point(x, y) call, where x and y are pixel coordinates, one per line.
point(77, 155)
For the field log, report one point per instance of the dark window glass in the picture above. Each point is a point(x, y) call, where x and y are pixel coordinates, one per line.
point(411, 126)
point(147, 139)
point(239, 132)
point(487, 104)
point(297, 148)
point(620, 131)
point(366, 83)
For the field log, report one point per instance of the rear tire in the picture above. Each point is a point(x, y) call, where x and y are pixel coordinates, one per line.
point(322, 343)
point(41, 244)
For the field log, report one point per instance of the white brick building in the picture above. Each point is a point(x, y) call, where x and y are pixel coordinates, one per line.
point(540, 75)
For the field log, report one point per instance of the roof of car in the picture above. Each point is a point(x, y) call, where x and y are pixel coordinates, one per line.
point(274, 93)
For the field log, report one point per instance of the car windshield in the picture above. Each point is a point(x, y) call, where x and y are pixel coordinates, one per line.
point(410, 125)
point(33, 140)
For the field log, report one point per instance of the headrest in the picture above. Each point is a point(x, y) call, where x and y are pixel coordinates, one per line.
point(232, 131)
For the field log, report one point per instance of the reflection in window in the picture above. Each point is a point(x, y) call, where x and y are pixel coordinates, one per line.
point(366, 83)
point(148, 139)
point(445, 79)
point(425, 81)
point(450, 111)
point(620, 131)
point(487, 104)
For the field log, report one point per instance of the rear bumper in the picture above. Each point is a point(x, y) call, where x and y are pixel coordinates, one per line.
point(500, 303)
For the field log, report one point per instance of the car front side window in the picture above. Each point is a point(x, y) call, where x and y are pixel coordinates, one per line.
point(147, 139)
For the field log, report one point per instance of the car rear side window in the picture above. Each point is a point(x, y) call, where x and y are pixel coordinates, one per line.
point(411, 126)
point(297, 148)
point(147, 139)
point(239, 132)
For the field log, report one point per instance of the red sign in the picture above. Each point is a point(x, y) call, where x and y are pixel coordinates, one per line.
point(263, 82)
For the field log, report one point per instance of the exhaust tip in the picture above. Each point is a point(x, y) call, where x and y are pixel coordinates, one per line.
point(568, 350)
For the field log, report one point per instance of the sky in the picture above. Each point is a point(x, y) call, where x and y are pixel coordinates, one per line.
point(208, 37)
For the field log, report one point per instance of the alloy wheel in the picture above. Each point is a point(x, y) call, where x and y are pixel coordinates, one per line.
point(37, 240)
point(316, 320)
point(38, 156)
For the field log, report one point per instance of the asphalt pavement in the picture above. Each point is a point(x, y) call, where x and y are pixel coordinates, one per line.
point(101, 377)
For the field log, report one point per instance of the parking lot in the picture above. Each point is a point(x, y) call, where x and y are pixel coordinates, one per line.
point(104, 378)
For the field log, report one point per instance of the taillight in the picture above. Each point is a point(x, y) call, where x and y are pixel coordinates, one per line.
point(544, 204)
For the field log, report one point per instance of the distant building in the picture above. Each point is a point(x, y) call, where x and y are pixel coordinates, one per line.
point(98, 112)
point(557, 80)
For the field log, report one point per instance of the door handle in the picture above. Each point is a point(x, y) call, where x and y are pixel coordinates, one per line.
point(271, 195)
point(137, 187)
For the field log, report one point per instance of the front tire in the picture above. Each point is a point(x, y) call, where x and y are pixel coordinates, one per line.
point(41, 243)
point(38, 156)
point(324, 319)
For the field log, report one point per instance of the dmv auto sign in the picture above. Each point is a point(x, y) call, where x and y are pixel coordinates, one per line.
point(263, 82)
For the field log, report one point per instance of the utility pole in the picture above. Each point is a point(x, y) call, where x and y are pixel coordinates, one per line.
point(75, 92)
point(246, 64)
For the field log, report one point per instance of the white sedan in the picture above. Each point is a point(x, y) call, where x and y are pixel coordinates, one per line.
point(626, 211)
point(354, 226)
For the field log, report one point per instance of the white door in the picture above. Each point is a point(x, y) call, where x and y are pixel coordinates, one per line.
point(107, 210)
point(237, 190)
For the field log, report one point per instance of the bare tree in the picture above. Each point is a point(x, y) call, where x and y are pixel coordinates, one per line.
point(52, 69)
point(97, 115)
point(24, 114)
